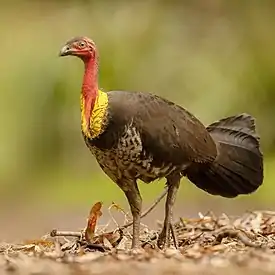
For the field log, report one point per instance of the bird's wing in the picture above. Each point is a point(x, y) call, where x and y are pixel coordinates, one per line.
point(168, 132)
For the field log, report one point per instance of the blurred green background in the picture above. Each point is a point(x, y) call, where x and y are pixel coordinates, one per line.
point(215, 58)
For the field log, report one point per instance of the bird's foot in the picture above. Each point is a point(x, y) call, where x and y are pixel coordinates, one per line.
point(163, 239)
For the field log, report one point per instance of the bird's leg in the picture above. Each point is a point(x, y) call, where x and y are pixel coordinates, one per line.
point(173, 183)
point(148, 210)
point(131, 191)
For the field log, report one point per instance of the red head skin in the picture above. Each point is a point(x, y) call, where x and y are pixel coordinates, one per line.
point(85, 49)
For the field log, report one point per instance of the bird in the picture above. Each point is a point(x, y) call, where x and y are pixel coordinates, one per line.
point(141, 136)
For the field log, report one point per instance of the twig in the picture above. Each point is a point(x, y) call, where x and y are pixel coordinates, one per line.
point(268, 233)
point(55, 233)
point(113, 205)
point(148, 210)
point(233, 233)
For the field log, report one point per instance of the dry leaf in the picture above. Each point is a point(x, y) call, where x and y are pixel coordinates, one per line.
point(41, 242)
point(122, 244)
point(112, 237)
point(95, 213)
point(107, 243)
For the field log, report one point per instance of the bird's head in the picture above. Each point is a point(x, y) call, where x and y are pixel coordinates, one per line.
point(82, 47)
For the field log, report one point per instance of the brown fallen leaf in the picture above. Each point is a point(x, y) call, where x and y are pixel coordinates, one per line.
point(41, 242)
point(95, 213)
point(112, 237)
point(107, 244)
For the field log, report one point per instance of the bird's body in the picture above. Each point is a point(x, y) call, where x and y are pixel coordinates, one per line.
point(136, 135)
point(144, 137)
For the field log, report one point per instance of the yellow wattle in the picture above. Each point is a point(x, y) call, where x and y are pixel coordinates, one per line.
point(97, 117)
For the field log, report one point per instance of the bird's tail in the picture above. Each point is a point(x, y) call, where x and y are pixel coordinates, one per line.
point(238, 168)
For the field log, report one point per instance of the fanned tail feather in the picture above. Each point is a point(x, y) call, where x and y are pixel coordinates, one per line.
point(238, 168)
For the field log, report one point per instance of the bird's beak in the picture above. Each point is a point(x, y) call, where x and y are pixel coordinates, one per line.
point(65, 51)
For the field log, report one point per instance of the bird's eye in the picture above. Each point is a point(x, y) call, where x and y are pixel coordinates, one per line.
point(81, 44)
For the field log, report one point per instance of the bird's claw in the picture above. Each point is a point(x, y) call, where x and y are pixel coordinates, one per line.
point(163, 240)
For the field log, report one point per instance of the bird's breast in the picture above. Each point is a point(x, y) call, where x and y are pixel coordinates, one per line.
point(129, 159)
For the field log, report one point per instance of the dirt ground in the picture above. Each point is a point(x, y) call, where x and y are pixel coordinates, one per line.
point(207, 244)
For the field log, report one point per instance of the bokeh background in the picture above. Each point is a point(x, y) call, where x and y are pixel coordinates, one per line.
point(216, 58)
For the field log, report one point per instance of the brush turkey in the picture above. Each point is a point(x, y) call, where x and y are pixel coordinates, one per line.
point(135, 135)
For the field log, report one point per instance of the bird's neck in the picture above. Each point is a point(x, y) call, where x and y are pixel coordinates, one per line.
point(89, 91)
point(93, 102)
